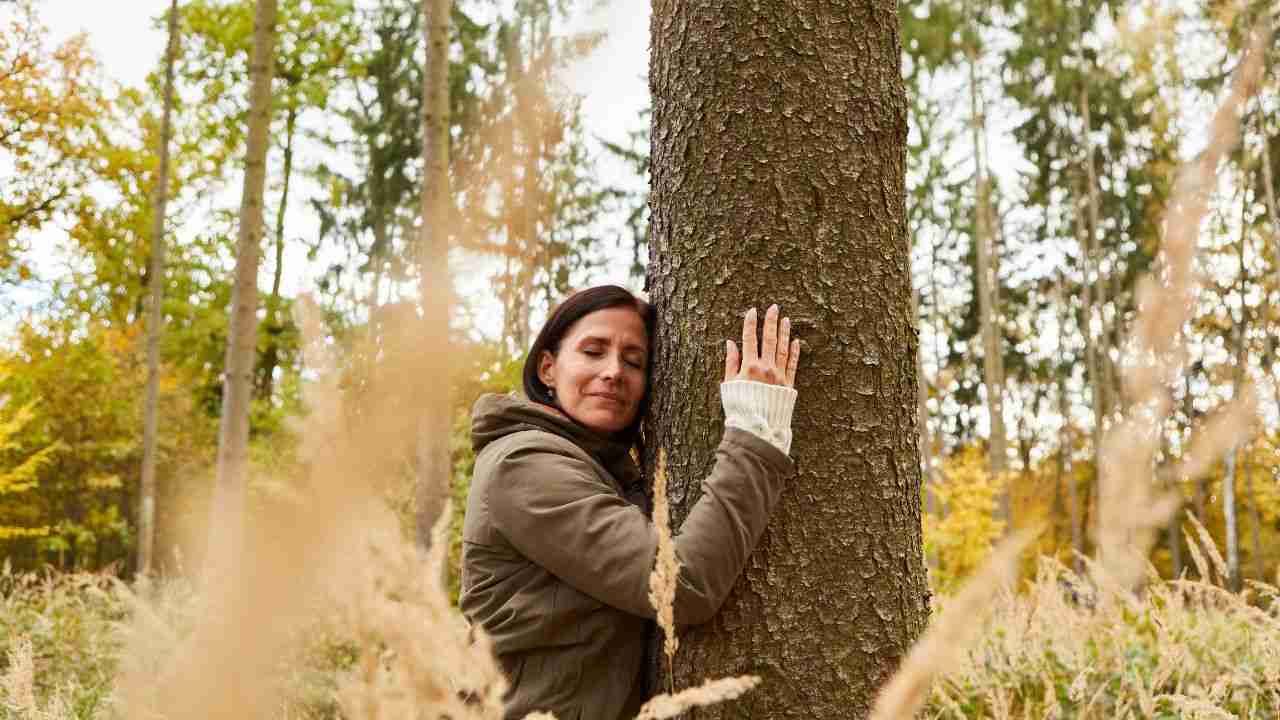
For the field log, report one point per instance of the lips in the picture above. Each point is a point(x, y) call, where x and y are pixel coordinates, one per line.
point(608, 396)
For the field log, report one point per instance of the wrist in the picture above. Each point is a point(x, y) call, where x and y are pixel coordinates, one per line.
point(760, 408)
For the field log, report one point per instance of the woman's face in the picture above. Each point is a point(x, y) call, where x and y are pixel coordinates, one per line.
point(598, 374)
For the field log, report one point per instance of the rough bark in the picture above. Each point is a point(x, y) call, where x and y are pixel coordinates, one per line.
point(242, 334)
point(434, 468)
point(155, 315)
point(778, 150)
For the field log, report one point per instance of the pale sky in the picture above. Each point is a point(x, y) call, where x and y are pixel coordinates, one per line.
point(611, 81)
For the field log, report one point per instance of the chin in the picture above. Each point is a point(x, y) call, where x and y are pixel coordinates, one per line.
point(607, 425)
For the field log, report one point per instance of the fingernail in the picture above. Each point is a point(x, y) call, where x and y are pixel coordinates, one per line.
point(773, 307)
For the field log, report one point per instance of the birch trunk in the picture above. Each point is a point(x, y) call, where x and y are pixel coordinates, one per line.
point(242, 334)
point(155, 315)
point(434, 468)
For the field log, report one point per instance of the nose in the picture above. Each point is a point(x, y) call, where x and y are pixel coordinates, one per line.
point(612, 369)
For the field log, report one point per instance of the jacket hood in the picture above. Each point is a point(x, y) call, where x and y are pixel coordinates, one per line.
point(496, 416)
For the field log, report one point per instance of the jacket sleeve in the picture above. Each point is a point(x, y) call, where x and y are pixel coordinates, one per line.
point(553, 509)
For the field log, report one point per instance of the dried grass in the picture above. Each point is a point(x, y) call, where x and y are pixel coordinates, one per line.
point(666, 571)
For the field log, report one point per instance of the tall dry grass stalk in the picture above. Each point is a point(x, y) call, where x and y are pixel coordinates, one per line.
point(335, 551)
point(1131, 505)
point(943, 644)
point(666, 571)
point(663, 582)
point(1185, 649)
point(18, 684)
point(1131, 508)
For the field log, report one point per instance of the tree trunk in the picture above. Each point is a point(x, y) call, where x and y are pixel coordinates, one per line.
point(1097, 284)
point(1230, 522)
point(155, 315)
point(1188, 411)
point(434, 468)
point(1065, 443)
point(988, 311)
point(778, 151)
point(1231, 479)
point(1273, 213)
point(242, 333)
point(922, 412)
point(1255, 516)
point(271, 355)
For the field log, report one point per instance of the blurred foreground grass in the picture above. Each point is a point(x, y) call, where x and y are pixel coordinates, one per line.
point(1062, 647)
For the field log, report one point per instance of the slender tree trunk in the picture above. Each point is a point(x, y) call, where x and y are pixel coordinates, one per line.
point(155, 315)
point(434, 467)
point(242, 335)
point(988, 311)
point(1273, 214)
point(1102, 353)
point(1255, 517)
point(1231, 479)
point(1230, 521)
point(778, 176)
point(271, 354)
point(376, 261)
point(1066, 445)
point(1188, 411)
point(922, 399)
point(1173, 530)
point(1091, 356)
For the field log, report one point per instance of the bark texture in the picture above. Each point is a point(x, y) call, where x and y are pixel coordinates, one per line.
point(778, 151)
point(242, 335)
point(434, 469)
point(155, 315)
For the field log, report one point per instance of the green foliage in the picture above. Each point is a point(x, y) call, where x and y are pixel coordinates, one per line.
point(490, 373)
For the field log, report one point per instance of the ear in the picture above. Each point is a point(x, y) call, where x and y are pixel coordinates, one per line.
point(545, 363)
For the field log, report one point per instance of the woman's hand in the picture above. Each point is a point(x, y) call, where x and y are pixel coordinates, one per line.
point(773, 361)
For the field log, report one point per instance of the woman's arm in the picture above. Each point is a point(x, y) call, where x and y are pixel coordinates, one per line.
point(555, 511)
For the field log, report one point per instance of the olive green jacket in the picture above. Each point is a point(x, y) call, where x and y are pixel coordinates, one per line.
point(558, 548)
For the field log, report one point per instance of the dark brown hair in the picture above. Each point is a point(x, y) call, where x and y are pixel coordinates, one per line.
point(571, 310)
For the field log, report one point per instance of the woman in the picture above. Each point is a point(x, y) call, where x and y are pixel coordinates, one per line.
point(557, 544)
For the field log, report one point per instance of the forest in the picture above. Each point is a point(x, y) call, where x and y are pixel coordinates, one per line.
point(1031, 249)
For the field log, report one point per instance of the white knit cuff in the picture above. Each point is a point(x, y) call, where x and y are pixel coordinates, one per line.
point(761, 409)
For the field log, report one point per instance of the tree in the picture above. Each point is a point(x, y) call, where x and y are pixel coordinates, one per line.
point(987, 286)
point(778, 175)
point(434, 287)
point(155, 315)
point(50, 109)
point(242, 336)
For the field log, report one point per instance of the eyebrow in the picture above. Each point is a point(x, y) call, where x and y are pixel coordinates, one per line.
point(605, 340)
